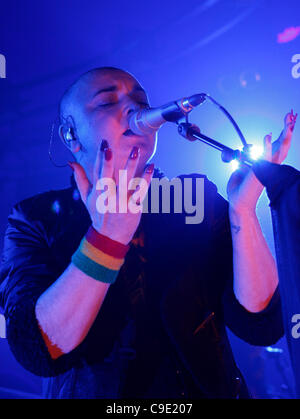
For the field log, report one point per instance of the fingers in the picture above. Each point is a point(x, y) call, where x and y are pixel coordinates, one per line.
point(290, 120)
point(292, 116)
point(145, 181)
point(267, 155)
point(293, 120)
point(127, 183)
point(81, 179)
point(140, 187)
point(97, 165)
point(104, 164)
point(131, 165)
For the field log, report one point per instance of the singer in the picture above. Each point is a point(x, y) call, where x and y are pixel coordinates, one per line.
point(134, 305)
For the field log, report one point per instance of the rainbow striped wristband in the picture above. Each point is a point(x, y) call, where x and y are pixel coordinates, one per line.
point(99, 256)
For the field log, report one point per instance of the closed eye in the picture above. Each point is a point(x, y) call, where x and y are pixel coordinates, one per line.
point(103, 105)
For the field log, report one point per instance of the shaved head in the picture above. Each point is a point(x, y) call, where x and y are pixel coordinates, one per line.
point(69, 99)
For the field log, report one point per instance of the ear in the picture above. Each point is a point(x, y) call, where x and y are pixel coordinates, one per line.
point(68, 137)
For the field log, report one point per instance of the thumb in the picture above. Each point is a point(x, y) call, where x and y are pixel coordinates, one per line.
point(81, 179)
point(267, 155)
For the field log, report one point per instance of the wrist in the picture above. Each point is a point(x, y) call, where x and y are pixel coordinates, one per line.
point(114, 246)
point(117, 236)
point(99, 256)
point(242, 214)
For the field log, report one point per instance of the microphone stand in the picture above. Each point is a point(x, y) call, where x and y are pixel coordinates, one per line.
point(192, 133)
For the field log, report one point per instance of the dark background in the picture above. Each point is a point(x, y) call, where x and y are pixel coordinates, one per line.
point(228, 48)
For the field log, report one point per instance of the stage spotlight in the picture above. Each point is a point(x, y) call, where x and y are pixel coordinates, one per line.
point(256, 152)
point(234, 164)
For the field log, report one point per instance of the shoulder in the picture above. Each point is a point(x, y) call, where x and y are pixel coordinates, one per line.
point(44, 204)
point(46, 215)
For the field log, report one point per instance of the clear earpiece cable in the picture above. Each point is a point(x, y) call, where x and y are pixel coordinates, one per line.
point(50, 148)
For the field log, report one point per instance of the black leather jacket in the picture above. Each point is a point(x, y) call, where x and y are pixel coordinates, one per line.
point(189, 274)
point(283, 189)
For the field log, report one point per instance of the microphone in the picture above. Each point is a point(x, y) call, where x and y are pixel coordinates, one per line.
point(147, 121)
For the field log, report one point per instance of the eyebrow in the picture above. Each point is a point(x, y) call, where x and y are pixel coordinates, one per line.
point(114, 88)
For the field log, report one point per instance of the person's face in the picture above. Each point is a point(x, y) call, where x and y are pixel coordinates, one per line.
point(105, 102)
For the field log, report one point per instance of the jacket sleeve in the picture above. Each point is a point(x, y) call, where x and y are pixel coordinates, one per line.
point(27, 269)
point(261, 329)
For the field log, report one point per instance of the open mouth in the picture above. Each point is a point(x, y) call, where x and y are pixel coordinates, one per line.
point(128, 133)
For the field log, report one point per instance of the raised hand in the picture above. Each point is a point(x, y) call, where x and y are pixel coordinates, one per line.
point(117, 222)
point(281, 146)
point(243, 188)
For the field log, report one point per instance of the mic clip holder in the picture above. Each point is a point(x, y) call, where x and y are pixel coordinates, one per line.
point(192, 132)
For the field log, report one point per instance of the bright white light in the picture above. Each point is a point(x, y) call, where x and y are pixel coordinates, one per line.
point(256, 152)
point(234, 164)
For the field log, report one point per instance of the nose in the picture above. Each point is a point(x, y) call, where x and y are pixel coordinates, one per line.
point(131, 110)
point(131, 107)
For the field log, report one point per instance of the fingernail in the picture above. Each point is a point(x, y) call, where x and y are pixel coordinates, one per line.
point(104, 145)
point(134, 153)
point(107, 154)
point(70, 164)
point(149, 168)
